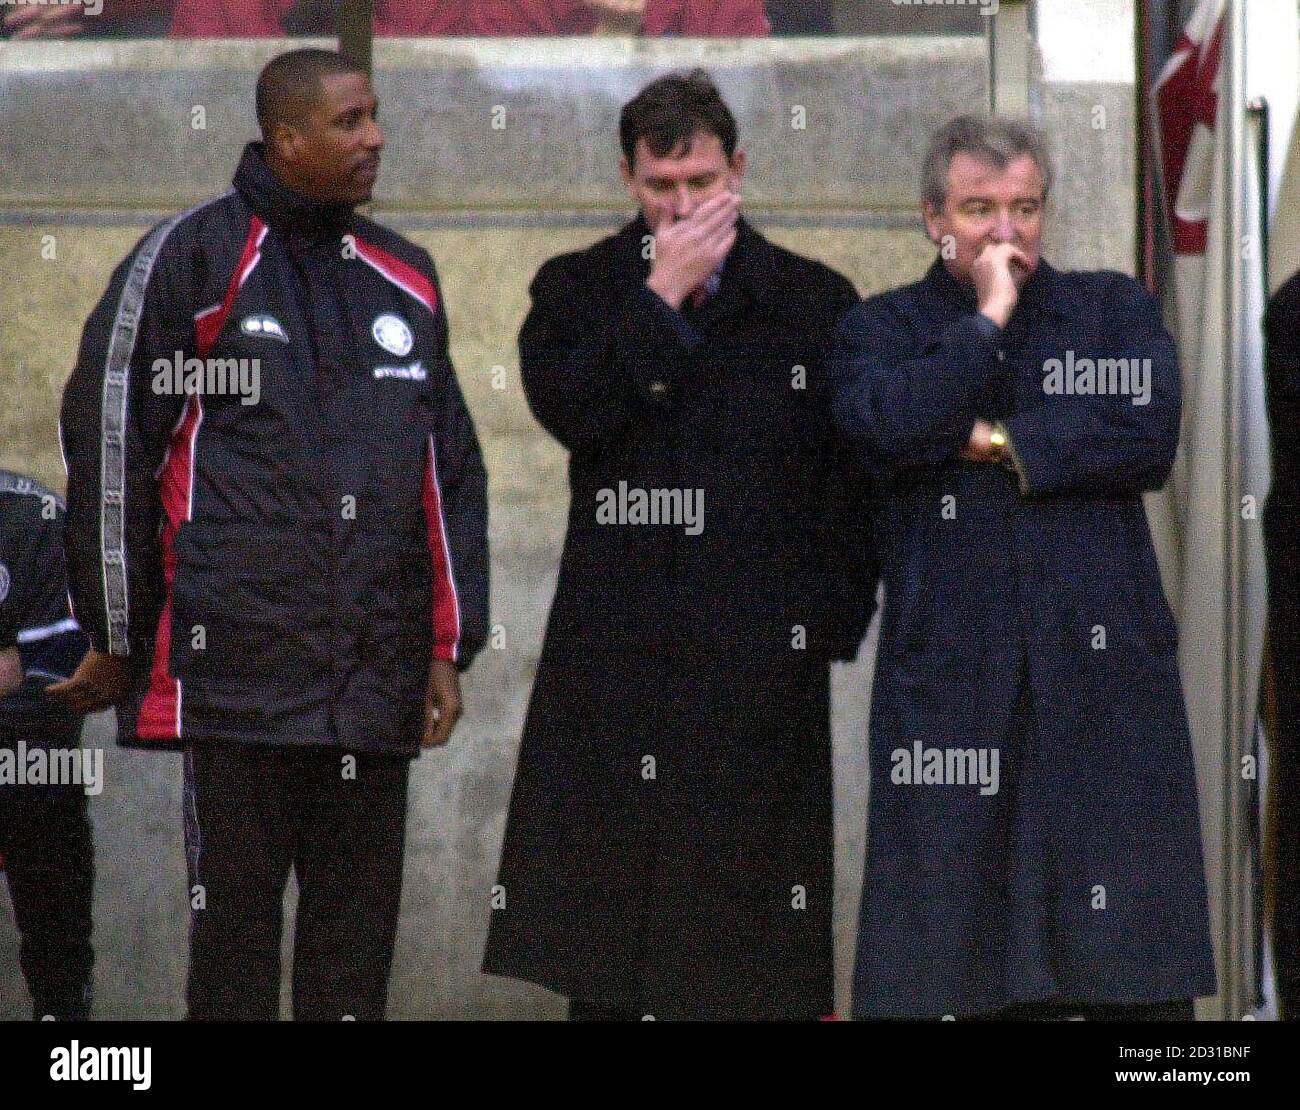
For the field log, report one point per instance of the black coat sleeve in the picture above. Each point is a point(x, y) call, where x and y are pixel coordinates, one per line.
point(1282, 513)
point(588, 379)
point(115, 428)
point(458, 508)
point(852, 562)
point(850, 521)
point(1282, 331)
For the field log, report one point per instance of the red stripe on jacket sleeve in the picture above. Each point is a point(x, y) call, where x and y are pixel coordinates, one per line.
point(160, 711)
point(208, 325)
point(446, 605)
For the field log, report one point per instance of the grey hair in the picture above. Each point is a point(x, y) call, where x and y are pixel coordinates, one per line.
point(989, 139)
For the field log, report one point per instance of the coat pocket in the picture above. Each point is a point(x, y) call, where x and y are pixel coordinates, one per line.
point(1149, 610)
point(242, 608)
point(393, 618)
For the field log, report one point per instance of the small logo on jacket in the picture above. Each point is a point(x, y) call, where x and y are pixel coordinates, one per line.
point(4, 581)
point(413, 373)
point(393, 334)
point(264, 327)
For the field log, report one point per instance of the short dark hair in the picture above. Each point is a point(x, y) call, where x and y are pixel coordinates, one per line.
point(289, 83)
point(670, 111)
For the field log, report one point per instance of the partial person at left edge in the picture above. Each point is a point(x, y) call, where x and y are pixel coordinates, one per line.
point(46, 849)
point(51, 19)
point(277, 542)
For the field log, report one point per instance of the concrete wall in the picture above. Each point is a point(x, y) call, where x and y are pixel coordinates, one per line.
point(97, 141)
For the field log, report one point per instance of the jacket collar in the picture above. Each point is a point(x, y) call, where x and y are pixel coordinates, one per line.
point(1041, 293)
point(747, 269)
point(281, 207)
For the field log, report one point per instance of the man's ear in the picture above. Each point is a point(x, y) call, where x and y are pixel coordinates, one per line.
point(629, 181)
point(739, 164)
point(283, 140)
point(932, 216)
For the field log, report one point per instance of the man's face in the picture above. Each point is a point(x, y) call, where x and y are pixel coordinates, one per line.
point(986, 205)
point(333, 155)
point(671, 188)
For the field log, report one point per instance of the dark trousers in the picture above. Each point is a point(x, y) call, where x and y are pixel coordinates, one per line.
point(49, 862)
point(585, 1009)
point(589, 1009)
point(339, 820)
point(1285, 769)
point(1281, 515)
point(1179, 1009)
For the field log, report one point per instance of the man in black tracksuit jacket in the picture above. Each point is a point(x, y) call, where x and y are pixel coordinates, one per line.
point(45, 842)
point(291, 562)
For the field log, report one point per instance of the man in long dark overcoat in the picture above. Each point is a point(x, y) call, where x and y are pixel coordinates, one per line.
point(1033, 843)
point(1282, 327)
point(669, 844)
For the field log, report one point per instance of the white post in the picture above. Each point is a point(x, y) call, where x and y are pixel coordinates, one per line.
point(1236, 986)
point(1011, 42)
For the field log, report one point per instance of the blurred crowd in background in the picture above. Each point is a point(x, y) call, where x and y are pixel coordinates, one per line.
point(61, 19)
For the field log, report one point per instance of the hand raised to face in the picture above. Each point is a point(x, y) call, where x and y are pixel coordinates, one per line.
point(690, 250)
point(999, 270)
